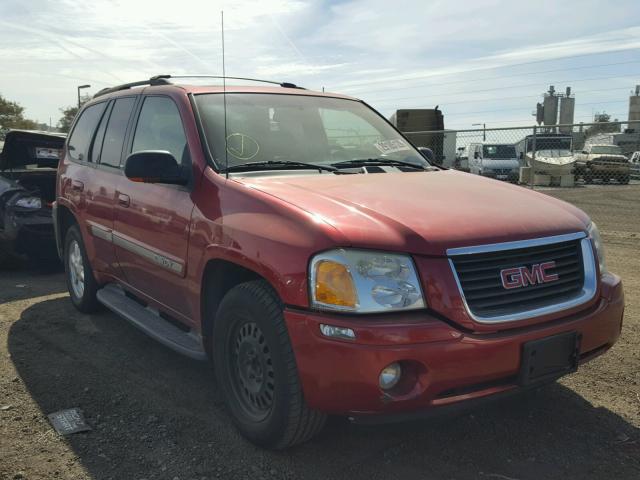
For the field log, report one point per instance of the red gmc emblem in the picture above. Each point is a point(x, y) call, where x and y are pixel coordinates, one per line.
point(518, 277)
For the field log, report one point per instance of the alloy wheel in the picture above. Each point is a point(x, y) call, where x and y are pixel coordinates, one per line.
point(76, 269)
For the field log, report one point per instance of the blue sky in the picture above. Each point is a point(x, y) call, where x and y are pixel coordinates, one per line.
point(481, 61)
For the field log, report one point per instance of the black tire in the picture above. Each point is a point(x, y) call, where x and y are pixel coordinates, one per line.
point(588, 178)
point(87, 301)
point(624, 180)
point(250, 320)
point(9, 261)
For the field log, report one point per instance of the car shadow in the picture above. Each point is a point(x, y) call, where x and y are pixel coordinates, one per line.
point(24, 283)
point(156, 414)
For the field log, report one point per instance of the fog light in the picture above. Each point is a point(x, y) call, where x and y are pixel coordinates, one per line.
point(390, 376)
point(337, 332)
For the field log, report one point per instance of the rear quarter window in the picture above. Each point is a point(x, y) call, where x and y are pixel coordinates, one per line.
point(80, 138)
point(115, 132)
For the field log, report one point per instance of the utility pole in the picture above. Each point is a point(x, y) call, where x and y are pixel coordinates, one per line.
point(79, 88)
point(484, 130)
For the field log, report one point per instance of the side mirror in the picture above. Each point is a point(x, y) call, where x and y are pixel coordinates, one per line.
point(521, 156)
point(585, 152)
point(428, 154)
point(476, 155)
point(154, 166)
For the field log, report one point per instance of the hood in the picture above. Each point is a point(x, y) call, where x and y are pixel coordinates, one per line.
point(500, 163)
point(24, 148)
point(597, 157)
point(423, 212)
point(552, 159)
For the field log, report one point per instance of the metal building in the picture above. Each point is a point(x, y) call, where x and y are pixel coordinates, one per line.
point(634, 108)
point(550, 105)
point(567, 109)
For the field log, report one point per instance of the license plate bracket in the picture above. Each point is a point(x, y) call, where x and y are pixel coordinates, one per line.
point(549, 358)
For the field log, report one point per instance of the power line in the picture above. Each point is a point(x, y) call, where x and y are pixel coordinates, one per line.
point(520, 108)
point(517, 97)
point(500, 77)
point(532, 62)
point(507, 87)
point(528, 126)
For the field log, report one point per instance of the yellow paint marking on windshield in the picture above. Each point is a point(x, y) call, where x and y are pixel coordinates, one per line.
point(242, 146)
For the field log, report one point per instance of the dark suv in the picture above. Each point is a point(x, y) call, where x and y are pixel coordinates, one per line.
point(306, 246)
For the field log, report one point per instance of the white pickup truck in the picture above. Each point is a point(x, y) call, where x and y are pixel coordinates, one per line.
point(634, 162)
point(604, 162)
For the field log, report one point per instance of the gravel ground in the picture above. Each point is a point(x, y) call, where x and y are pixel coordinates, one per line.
point(156, 415)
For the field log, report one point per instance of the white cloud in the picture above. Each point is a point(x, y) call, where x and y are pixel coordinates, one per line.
point(363, 47)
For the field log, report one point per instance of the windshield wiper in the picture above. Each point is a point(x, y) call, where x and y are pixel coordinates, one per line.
point(362, 162)
point(274, 164)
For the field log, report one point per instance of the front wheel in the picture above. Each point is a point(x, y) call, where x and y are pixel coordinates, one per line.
point(256, 369)
point(81, 284)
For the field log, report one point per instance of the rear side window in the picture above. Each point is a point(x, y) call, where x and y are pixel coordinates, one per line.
point(116, 129)
point(94, 155)
point(83, 131)
point(160, 128)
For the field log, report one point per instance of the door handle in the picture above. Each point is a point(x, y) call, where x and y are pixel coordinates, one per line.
point(77, 185)
point(123, 200)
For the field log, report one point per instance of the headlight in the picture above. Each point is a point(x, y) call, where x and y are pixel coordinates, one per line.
point(363, 282)
point(32, 203)
point(594, 234)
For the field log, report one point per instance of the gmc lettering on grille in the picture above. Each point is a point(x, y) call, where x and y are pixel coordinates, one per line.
point(519, 277)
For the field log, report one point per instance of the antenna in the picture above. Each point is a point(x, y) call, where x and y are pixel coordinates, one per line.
point(224, 100)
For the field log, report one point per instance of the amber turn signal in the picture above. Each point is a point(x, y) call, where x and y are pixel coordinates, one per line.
point(334, 285)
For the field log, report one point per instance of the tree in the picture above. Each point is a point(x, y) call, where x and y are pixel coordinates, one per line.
point(12, 116)
point(602, 124)
point(68, 114)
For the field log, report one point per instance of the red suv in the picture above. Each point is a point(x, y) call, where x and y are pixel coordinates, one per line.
point(305, 246)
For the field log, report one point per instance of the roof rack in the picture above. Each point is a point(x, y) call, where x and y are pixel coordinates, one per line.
point(164, 80)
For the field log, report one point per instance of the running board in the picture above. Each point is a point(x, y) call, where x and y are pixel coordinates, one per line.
point(148, 320)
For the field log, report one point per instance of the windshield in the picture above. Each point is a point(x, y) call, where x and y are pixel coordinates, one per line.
point(297, 128)
point(554, 153)
point(499, 151)
point(549, 143)
point(606, 149)
point(30, 150)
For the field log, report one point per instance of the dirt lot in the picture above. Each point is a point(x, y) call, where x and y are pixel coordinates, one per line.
point(158, 415)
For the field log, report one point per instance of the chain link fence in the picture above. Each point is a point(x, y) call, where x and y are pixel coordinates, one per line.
point(563, 156)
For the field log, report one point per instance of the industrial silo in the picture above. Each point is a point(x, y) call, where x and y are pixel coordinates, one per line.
point(550, 104)
point(634, 109)
point(567, 109)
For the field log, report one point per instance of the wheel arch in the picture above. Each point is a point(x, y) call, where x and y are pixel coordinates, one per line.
point(63, 220)
point(218, 277)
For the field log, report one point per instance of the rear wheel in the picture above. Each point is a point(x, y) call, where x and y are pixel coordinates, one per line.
point(624, 180)
point(81, 284)
point(256, 369)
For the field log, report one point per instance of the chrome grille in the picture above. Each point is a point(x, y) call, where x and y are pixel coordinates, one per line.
point(478, 273)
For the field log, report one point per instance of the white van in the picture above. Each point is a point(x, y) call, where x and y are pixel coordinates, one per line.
point(495, 160)
point(634, 160)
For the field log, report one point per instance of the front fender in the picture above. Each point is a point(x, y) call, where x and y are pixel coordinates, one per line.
point(256, 231)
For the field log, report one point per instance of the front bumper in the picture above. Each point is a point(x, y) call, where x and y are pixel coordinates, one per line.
point(447, 365)
point(510, 176)
point(29, 234)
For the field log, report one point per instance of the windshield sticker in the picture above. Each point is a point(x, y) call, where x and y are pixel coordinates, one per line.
point(391, 146)
point(242, 146)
